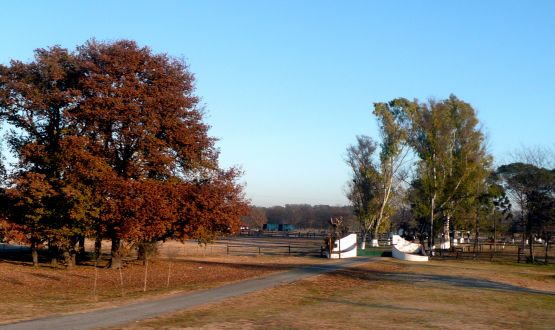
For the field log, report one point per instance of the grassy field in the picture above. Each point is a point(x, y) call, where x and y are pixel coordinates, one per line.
point(390, 294)
point(29, 292)
point(180, 267)
point(443, 293)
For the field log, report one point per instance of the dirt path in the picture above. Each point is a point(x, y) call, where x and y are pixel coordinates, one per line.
point(138, 311)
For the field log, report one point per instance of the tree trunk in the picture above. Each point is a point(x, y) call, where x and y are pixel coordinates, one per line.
point(431, 238)
point(531, 245)
point(523, 241)
point(116, 257)
point(69, 258)
point(34, 253)
point(81, 249)
point(375, 238)
point(53, 254)
point(494, 235)
point(477, 236)
point(387, 192)
point(146, 250)
point(446, 235)
point(363, 243)
point(97, 247)
point(546, 248)
point(141, 252)
point(73, 258)
point(432, 206)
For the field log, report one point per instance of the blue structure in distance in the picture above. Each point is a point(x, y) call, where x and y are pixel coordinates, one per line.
point(278, 227)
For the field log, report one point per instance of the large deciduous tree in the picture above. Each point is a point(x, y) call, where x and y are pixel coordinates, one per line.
point(373, 186)
point(363, 188)
point(111, 144)
point(141, 116)
point(454, 163)
point(393, 152)
point(35, 99)
point(256, 217)
point(210, 207)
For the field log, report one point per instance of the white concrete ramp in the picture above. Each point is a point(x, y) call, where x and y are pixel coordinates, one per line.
point(345, 247)
point(405, 250)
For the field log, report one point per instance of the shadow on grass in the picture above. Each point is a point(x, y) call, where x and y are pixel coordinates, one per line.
point(432, 279)
point(463, 282)
point(46, 276)
point(374, 252)
point(369, 305)
point(19, 254)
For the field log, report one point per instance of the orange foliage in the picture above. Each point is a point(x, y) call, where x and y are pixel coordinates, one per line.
point(111, 144)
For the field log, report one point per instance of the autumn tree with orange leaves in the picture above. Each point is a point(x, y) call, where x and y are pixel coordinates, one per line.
point(112, 145)
point(43, 198)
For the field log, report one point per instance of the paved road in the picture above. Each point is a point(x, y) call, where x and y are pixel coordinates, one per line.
point(142, 310)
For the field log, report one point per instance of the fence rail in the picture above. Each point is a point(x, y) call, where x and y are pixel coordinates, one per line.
point(303, 246)
point(498, 252)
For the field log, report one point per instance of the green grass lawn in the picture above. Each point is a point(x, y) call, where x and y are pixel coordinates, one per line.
point(382, 251)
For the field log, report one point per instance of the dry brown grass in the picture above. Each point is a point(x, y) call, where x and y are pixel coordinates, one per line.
point(29, 292)
point(384, 294)
point(389, 294)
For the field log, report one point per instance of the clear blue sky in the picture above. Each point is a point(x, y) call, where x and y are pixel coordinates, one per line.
point(288, 84)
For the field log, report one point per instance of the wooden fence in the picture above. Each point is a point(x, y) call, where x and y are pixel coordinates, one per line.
point(498, 252)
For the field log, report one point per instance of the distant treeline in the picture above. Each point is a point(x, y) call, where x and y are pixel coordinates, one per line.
point(302, 216)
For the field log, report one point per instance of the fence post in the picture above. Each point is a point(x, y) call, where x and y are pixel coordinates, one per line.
point(289, 246)
point(259, 250)
point(227, 246)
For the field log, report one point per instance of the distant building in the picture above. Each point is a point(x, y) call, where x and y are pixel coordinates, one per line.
point(285, 227)
point(270, 226)
point(278, 227)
